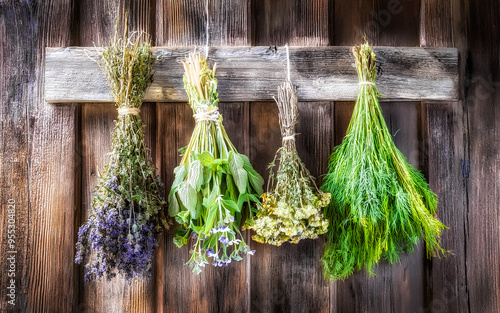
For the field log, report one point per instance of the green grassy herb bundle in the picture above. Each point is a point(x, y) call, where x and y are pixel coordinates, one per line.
point(128, 207)
point(214, 186)
point(292, 207)
point(381, 206)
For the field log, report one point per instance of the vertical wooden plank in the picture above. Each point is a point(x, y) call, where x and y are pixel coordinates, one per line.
point(446, 133)
point(289, 278)
point(399, 287)
point(183, 23)
point(307, 21)
point(483, 96)
point(37, 160)
point(15, 98)
point(385, 22)
point(96, 25)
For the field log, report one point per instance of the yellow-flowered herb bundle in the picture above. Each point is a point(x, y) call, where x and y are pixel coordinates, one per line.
point(381, 206)
point(292, 207)
point(214, 186)
point(128, 206)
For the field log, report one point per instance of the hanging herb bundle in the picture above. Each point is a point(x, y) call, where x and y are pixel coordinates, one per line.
point(128, 206)
point(214, 185)
point(381, 206)
point(292, 207)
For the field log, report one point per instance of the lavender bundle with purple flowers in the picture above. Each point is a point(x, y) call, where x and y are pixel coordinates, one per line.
point(128, 207)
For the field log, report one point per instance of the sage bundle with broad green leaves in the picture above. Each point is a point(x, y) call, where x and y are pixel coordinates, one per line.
point(128, 205)
point(215, 188)
point(292, 207)
point(381, 206)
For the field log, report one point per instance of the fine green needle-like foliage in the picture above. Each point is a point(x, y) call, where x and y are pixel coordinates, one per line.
point(128, 206)
point(381, 206)
point(214, 186)
point(292, 207)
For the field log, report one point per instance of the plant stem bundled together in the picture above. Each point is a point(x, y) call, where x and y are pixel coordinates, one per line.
point(128, 205)
point(214, 185)
point(381, 206)
point(292, 207)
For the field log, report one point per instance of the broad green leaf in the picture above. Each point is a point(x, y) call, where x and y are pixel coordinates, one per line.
point(242, 199)
point(180, 236)
point(255, 179)
point(253, 198)
point(195, 178)
point(183, 217)
point(210, 200)
point(180, 173)
point(195, 228)
point(188, 197)
point(180, 241)
point(207, 175)
point(173, 205)
point(214, 209)
point(230, 205)
point(206, 158)
point(240, 176)
point(199, 206)
point(231, 188)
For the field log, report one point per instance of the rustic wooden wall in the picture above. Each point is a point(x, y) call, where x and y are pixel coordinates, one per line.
point(49, 156)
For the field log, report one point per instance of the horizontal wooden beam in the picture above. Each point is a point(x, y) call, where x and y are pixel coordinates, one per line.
point(254, 73)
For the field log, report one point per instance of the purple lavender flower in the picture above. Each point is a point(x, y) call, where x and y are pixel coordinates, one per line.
point(211, 254)
point(108, 233)
point(224, 240)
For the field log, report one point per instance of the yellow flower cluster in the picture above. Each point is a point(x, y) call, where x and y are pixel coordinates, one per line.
point(278, 222)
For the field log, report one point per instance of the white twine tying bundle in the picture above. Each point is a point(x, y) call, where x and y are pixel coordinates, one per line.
point(128, 110)
point(366, 83)
point(204, 115)
point(291, 137)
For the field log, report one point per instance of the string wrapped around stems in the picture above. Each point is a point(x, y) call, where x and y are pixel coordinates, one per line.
point(128, 205)
point(381, 206)
point(292, 207)
point(215, 188)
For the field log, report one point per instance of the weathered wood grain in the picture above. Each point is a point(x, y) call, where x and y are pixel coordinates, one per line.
point(183, 23)
point(483, 96)
point(398, 287)
point(43, 163)
point(254, 73)
point(96, 24)
point(296, 23)
point(17, 75)
point(446, 134)
point(382, 21)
